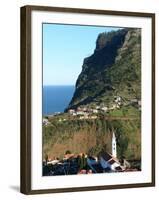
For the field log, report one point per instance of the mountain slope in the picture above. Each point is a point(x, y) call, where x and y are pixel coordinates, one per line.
point(114, 69)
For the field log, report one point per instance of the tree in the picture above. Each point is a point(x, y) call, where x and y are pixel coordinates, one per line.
point(68, 152)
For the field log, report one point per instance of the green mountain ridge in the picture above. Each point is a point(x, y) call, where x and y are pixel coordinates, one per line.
point(114, 69)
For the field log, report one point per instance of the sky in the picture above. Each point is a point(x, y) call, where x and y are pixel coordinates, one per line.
point(64, 49)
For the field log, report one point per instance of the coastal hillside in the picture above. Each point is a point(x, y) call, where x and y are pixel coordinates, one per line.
point(91, 136)
point(113, 70)
point(107, 99)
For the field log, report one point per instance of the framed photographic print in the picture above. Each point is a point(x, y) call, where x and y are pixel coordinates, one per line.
point(87, 99)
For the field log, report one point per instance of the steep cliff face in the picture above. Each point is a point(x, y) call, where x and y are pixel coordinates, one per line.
point(114, 69)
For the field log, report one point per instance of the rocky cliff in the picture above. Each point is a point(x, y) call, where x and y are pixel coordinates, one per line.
point(114, 69)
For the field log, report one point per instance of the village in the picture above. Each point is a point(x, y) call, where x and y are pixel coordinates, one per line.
point(87, 164)
point(86, 111)
point(93, 111)
point(83, 163)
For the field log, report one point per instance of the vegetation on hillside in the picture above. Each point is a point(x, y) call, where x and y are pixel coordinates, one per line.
point(91, 137)
point(113, 70)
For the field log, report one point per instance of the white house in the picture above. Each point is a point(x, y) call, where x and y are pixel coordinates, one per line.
point(80, 113)
point(84, 109)
point(84, 117)
point(114, 106)
point(53, 162)
point(71, 111)
point(117, 99)
point(60, 120)
point(108, 162)
point(95, 111)
point(105, 109)
point(139, 102)
point(45, 122)
point(93, 117)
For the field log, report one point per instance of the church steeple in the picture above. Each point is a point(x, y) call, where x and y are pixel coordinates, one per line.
point(114, 151)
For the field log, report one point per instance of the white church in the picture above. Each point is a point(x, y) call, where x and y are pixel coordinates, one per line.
point(110, 161)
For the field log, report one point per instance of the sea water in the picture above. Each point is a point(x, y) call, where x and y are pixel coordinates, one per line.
point(56, 98)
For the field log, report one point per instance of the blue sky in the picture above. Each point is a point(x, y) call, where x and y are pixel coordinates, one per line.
point(64, 48)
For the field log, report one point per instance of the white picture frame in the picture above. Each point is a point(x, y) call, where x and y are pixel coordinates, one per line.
point(32, 18)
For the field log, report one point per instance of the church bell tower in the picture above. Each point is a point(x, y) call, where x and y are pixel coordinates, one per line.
point(114, 151)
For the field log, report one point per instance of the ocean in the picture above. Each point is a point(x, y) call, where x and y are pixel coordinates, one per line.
point(56, 98)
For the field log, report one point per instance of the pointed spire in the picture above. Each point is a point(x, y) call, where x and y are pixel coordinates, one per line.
point(114, 151)
point(113, 135)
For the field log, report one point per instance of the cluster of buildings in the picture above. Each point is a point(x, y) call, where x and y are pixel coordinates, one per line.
point(85, 111)
point(104, 162)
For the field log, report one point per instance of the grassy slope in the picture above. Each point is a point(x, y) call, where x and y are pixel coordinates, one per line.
point(91, 136)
